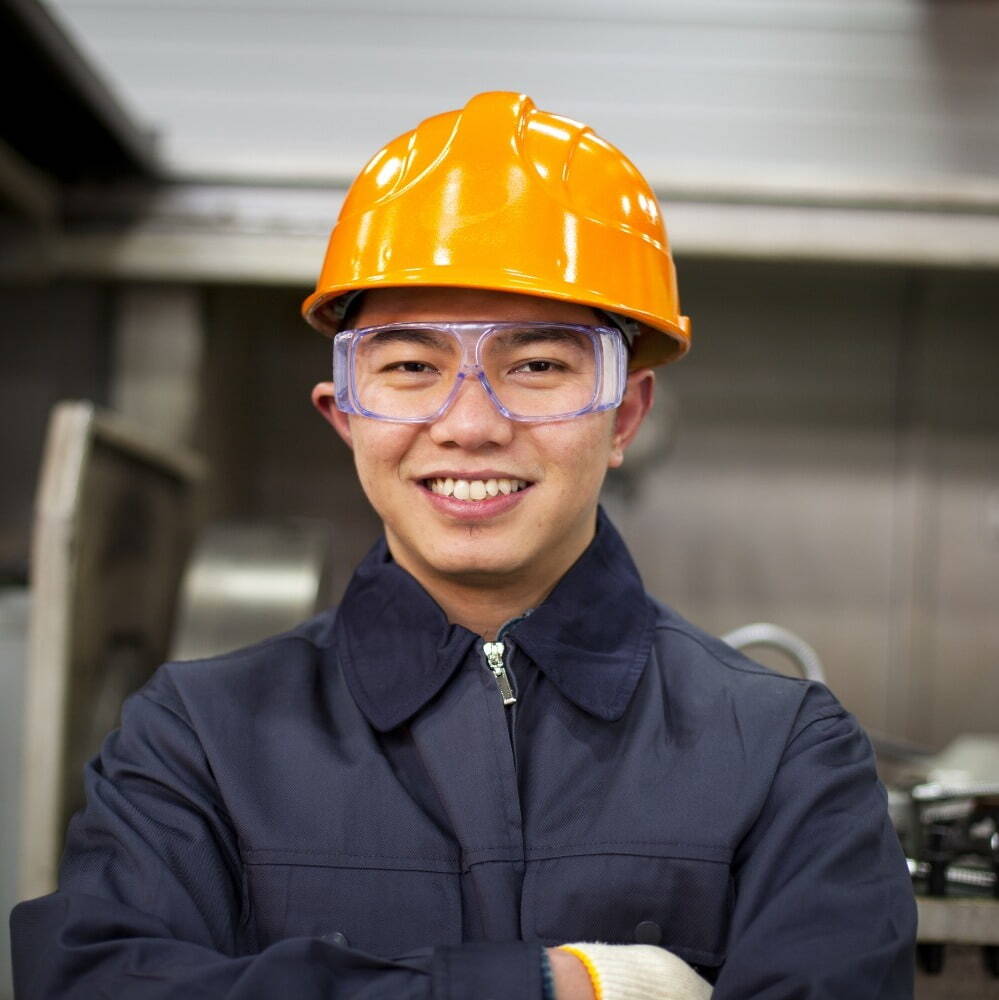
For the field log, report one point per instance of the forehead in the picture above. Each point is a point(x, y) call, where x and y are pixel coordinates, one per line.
point(394, 305)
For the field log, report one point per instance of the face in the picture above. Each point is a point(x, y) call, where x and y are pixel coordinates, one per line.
point(534, 532)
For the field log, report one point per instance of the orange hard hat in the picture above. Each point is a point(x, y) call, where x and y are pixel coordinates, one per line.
point(503, 196)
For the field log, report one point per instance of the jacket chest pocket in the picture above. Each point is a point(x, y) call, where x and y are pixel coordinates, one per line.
point(385, 911)
point(680, 903)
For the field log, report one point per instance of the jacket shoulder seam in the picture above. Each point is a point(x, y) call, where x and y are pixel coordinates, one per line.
point(842, 713)
point(745, 668)
point(179, 712)
point(262, 645)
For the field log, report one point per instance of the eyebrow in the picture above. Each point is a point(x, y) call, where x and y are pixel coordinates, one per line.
point(427, 338)
point(541, 335)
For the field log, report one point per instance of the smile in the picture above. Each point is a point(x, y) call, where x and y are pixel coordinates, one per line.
point(471, 490)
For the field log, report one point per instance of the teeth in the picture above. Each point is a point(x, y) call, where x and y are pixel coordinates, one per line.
point(475, 489)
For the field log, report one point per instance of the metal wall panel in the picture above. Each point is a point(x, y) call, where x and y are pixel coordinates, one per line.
point(837, 471)
point(954, 421)
point(777, 503)
point(55, 346)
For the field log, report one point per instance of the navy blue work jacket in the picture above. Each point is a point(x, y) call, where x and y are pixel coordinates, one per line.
point(350, 810)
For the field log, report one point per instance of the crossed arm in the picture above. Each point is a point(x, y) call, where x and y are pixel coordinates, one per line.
point(152, 877)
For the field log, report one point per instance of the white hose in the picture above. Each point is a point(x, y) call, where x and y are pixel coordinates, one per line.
point(768, 634)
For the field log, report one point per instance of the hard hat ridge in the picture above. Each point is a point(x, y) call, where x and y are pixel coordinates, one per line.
point(500, 195)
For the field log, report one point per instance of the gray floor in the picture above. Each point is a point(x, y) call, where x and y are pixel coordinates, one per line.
point(963, 978)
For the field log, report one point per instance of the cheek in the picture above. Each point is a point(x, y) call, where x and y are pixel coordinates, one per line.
point(379, 451)
point(579, 449)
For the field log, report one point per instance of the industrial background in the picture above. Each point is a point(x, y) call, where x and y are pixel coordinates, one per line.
point(826, 458)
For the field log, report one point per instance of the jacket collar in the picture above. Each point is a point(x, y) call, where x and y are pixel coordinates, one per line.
point(591, 636)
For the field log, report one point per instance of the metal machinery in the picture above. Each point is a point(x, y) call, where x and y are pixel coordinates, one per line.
point(112, 527)
point(946, 809)
point(122, 579)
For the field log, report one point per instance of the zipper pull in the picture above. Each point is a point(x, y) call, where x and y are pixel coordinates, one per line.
point(494, 658)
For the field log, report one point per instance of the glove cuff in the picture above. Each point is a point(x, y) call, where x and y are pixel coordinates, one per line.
point(638, 972)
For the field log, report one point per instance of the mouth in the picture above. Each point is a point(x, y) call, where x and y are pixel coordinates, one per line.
point(475, 490)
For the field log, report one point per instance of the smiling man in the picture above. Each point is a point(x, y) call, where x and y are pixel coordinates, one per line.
point(487, 509)
point(499, 769)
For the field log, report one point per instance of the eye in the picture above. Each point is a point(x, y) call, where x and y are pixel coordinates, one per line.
point(412, 367)
point(539, 366)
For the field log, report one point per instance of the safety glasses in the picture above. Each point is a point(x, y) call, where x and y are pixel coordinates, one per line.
point(412, 372)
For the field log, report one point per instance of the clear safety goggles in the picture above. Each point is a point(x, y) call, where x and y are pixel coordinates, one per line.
point(413, 372)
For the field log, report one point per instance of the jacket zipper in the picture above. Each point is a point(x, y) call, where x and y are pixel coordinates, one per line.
point(494, 660)
point(495, 653)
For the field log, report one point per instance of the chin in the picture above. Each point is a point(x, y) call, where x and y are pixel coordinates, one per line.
point(478, 568)
point(471, 554)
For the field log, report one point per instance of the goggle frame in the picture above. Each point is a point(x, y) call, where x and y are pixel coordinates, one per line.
point(610, 355)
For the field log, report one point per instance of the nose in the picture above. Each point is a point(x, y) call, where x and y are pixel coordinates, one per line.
point(472, 420)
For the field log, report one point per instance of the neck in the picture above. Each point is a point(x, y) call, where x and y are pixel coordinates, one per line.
point(485, 609)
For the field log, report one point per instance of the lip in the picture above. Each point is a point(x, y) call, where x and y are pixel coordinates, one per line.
point(466, 511)
point(469, 476)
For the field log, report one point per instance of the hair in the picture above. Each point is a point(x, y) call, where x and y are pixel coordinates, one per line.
point(346, 308)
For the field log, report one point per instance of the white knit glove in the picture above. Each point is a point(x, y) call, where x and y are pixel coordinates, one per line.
point(638, 972)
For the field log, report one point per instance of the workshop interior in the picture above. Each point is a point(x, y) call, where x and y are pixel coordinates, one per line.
point(819, 480)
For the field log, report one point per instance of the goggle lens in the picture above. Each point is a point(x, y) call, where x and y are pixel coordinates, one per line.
point(532, 371)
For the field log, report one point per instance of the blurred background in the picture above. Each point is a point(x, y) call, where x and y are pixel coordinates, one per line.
point(826, 458)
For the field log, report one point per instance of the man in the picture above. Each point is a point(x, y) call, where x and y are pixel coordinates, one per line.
point(499, 769)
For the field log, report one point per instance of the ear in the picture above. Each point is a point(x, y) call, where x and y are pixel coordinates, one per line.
point(628, 417)
point(324, 400)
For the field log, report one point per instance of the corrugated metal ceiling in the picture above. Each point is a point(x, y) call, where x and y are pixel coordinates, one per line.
point(809, 94)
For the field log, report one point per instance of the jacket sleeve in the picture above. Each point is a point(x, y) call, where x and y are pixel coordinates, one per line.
point(152, 906)
point(824, 907)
